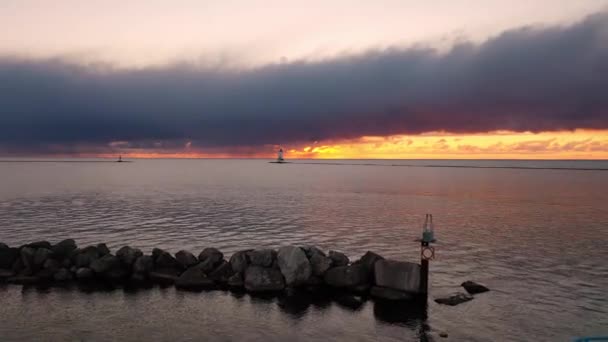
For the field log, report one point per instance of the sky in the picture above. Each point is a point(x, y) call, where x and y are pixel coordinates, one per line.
point(323, 79)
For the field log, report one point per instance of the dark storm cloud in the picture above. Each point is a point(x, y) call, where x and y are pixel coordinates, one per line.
point(537, 79)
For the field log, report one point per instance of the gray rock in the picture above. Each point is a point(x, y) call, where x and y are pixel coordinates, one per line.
point(474, 288)
point(398, 275)
point(210, 258)
point(261, 257)
point(390, 294)
point(260, 279)
point(346, 276)
point(454, 299)
point(294, 265)
point(105, 264)
point(320, 264)
point(41, 255)
point(127, 255)
point(339, 259)
point(143, 265)
point(84, 273)
point(239, 261)
point(186, 259)
point(222, 273)
point(194, 279)
point(103, 249)
point(62, 275)
point(8, 256)
point(64, 248)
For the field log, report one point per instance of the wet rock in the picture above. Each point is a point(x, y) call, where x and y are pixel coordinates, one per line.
point(84, 273)
point(473, 287)
point(86, 256)
point(194, 279)
point(40, 244)
point(368, 260)
point(236, 281)
point(127, 255)
point(239, 261)
point(260, 279)
point(105, 264)
point(52, 264)
point(294, 265)
point(398, 275)
point(210, 258)
point(222, 273)
point(186, 259)
point(166, 261)
point(164, 277)
point(41, 255)
point(454, 299)
point(261, 257)
point(390, 294)
point(27, 257)
point(103, 249)
point(62, 275)
point(143, 265)
point(8, 256)
point(320, 264)
point(64, 248)
point(338, 259)
point(346, 276)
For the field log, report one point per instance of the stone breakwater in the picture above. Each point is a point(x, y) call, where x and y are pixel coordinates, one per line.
point(253, 270)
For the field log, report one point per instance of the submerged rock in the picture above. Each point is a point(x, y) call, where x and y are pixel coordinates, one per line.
point(294, 265)
point(260, 279)
point(338, 259)
point(473, 287)
point(454, 299)
point(398, 275)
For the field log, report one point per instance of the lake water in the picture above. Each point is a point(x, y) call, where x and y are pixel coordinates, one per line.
point(537, 237)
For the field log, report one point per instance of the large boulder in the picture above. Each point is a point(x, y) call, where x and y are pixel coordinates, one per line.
point(294, 265)
point(260, 279)
point(164, 277)
point(312, 250)
point(39, 244)
point(186, 259)
point(346, 276)
point(84, 273)
point(106, 264)
point(239, 261)
point(398, 275)
point(165, 260)
point(194, 279)
point(320, 264)
point(338, 259)
point(368, 260)
point(62, 275)
point(8, 256)
point(41, 256)
point(143, 265)
point(210, 258)
point(454, 299)
point(261, 257)
point(27, 257)
point(235, 282)
point(52, 264)
point(86, 256)
point(64, 248)
point(473, 287)
point(222, 273)
point(128, 255)
point(103, 249)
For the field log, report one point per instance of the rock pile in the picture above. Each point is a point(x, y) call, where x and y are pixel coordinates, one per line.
point(255, 270)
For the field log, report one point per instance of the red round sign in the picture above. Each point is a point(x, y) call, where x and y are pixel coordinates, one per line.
point(427, 253)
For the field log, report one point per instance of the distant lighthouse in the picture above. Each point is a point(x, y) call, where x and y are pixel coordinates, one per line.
point(280, 156)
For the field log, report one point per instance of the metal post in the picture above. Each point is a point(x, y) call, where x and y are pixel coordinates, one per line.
point(424, 269)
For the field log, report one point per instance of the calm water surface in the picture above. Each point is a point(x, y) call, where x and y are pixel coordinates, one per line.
point(537, 237)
